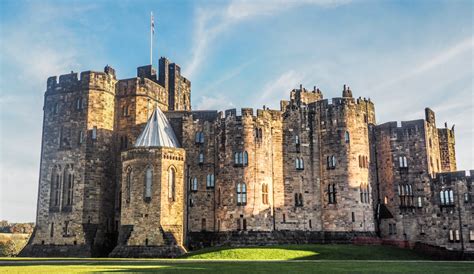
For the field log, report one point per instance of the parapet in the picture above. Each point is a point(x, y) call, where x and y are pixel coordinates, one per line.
point(70, 81)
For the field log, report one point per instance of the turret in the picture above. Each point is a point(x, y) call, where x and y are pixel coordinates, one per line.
point(346, 92)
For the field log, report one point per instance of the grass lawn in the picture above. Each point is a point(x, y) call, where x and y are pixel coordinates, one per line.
point(307, 252)
point(281, 259)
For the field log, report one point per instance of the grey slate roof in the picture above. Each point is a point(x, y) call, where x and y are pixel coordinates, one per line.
point(157, 132)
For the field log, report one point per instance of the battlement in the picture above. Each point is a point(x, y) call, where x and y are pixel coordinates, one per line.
point(249, 112)
point(69, 82)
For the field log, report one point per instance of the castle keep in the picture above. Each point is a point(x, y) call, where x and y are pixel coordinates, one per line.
point(129, 170)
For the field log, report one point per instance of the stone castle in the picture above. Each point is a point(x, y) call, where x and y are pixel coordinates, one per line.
point(129, 170)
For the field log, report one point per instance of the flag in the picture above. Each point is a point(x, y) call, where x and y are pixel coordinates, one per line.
point(152, 24)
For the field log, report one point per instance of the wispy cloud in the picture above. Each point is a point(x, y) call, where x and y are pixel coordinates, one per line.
point(211, 22)
point(32, 50)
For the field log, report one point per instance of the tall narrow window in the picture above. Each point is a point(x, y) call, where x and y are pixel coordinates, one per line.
point(148, 183)
point(94, 133)
point(297, 140)
point(265, 194)
point(347, 137)
point(403, 161)
point(51, 232)
point(81, 137)
point(55, 192)
point(245, 158)
point(171, 184)
point(236, 158)
point(210, 181)
point(128, 185)
point(199, 137)
point(332, 193)
point(203, 224)
point(194, 184)
point(201, 158)
point(241, 194)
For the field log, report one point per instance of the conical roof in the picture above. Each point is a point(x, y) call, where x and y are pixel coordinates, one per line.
point(157, 132)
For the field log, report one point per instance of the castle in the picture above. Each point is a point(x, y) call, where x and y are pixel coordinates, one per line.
point(129, 170)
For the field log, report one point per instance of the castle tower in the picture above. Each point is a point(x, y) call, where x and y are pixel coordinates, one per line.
point(447, 148)
point(152, 202)
point(76, 184)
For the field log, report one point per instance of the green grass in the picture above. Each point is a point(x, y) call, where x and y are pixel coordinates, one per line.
point(249, 267)
point(317, 259)
point(307, 252)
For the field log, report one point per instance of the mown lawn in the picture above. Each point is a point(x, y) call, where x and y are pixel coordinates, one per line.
point(276, 259)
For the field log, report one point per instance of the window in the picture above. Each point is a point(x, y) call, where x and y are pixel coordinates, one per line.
point(471, 235)
point(66, 228)
point(456, 235)
point(81, 137)
point(194, 184)
point(385, 200)
point(55, 108)
point(392, 229)
point(420, 201)
point(258, 133)
point(331, 162)
point(241, 194)
point(347, 138)
point(201, 158)
point(405, 193)
point(171, 183)
point(241, 158)
point(297, 140)
point(148, 183)
point(332, 193)
point(402, 161)
point(298, 199)
point(191, 202)
point(55, 188)
point(94, 133)
point(446, 197)
point(466, 197)
point(364, 193)
point(51, 232)
point(265, 194)
point(451, 235)
point(299, 163)
point(246, 158)
point(203, 224)
point(68, 187)
point(128, 185)
point(79, 103)
point(125, 112)
point(199, 137)
point(210, 181)
point(353, 217)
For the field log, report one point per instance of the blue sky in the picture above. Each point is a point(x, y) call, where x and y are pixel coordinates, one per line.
point(404, 55)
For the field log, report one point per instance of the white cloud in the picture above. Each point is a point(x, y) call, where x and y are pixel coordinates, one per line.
point(211, 22)
point(218, 102)
point(32, 50)
point(277, 89)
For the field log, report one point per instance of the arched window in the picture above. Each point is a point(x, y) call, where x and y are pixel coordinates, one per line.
point(210, 181)
point(236, 158)
point(333, 161)
point(68, 190)
point(360, 161)
point(441, 197)
point(171, 183)
point(265, 194)
point(347, 137)
point(241, 194)
point(245, 158)
point(297, 140)
point(201, 158)
point(300, 199)
point(194, 184)
point(128, 185)
point(451, 197)
point(148, 183)
point(125, 112)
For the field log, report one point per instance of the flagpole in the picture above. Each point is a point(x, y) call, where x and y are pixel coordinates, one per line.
point(151, 39)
